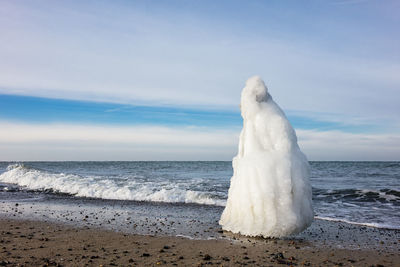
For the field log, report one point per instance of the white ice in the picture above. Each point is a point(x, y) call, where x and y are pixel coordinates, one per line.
point(270, 193)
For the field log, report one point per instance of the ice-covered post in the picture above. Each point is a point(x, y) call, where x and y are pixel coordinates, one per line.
point(270, 193)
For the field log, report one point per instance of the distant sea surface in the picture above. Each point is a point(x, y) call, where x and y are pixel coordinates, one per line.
point(366, 193)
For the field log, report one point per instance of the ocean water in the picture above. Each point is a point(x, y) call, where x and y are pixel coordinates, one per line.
point(366, 193)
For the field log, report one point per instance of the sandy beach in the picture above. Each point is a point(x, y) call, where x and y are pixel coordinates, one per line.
point(51, 228)
point(38, 243)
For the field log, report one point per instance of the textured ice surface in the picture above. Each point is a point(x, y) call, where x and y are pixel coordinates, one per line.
point(270, 193)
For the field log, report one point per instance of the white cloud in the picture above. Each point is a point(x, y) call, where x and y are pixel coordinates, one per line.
point(20, 141)
point(79, 142)
point(337, 145)
point(118, 54)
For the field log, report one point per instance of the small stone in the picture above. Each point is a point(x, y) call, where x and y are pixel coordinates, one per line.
point(207, 257)
point(279, 255)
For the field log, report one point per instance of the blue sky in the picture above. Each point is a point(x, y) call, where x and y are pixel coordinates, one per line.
point(177, 67)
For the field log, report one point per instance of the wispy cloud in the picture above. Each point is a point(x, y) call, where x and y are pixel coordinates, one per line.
point(22, 141)
point(132, 59)
point(349, 2)
point(336, 77)
point(337, 145)
point(81, 142)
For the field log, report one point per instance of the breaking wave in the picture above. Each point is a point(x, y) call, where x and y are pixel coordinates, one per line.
point(358, 195)
point(369, 203)
point(100, 187)
point(375, 225)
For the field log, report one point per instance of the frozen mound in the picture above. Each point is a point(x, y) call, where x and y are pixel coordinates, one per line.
point(270, 193)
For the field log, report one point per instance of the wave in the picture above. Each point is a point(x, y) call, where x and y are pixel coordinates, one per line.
point(102, 188)
point(355, 206)
point(358, 195)
point(375, 225)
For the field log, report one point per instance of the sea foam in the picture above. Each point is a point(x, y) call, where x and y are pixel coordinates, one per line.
point(270, 193)
point(95, 187)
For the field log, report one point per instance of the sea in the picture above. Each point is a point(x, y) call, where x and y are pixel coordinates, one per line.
point(358, 193)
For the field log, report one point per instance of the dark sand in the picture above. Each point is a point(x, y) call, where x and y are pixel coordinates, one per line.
point(38, 243)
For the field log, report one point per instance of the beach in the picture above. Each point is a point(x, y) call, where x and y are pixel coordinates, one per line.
point(39, 243)
point(61, 213)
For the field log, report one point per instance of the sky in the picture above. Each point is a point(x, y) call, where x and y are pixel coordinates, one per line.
point(161, 80)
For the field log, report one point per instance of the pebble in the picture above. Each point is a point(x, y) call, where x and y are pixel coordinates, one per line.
point(207, 257)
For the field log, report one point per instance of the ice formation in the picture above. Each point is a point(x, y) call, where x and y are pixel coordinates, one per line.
point(270, 193)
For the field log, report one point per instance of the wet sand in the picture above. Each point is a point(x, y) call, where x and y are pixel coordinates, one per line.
point(39, 243)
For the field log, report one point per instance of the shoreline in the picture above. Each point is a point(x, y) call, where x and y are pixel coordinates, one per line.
point(166, 219)
point(361, 224)
point(37, 243)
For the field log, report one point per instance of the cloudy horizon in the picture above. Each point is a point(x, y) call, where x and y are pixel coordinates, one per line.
point(130, 80)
